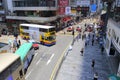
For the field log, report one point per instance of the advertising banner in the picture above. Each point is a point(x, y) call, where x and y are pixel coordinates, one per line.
point(63, 3)
point(61, 10)
point(68, 10)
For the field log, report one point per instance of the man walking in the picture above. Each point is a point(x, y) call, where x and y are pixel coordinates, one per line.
point(92, 41)
point(95, 76)
point(93, 64)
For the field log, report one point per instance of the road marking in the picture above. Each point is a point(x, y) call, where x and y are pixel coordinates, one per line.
point(57, 64)
point(28, 74)
point(50, 59)
point(38, 61)
point(36, 54)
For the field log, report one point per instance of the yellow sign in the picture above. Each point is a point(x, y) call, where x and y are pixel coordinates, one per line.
point(73, 11)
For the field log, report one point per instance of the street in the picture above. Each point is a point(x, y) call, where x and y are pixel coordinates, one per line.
point(46, 58)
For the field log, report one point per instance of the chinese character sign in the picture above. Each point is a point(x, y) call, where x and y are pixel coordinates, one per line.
point(62, 3)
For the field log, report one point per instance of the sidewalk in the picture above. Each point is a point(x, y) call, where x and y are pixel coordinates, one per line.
point(77, 67)
point(6, 38)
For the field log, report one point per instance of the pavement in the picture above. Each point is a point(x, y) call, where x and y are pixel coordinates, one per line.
point(77, 67)
point(6, 38)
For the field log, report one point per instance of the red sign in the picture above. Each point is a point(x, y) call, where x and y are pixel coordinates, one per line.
point(61, 10)
point(63, 3)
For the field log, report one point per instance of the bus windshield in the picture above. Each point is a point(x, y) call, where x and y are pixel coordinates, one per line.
point(50, 38)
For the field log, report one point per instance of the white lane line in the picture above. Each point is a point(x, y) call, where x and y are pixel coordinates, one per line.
point(38, 61)
point(36, 54)
point(28, 74)
point(50, 59)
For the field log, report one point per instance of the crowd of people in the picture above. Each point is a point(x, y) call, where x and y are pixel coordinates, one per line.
point(92, 37)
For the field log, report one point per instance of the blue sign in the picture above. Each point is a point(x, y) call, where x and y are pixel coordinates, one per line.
point(93, 8)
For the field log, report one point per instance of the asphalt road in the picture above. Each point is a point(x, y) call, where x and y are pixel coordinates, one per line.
point(46, 58)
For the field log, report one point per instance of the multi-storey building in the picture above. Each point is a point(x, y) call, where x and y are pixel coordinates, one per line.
point(112, 41)
point(29, 11)
point(2, 17)
point(2, 11)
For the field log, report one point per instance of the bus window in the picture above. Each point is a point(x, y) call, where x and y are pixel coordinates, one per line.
point(43, 30)
point(51, 29)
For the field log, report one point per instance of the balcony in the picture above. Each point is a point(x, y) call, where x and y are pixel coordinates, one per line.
point(33, 19)
point(34, 8)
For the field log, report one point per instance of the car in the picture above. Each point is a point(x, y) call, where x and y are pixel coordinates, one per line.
point(35, 44)
point(78, 29)
point(69, 29)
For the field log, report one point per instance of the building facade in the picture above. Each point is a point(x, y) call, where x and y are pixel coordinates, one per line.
point(29, 11)
point(112, 41)
point(2, 16)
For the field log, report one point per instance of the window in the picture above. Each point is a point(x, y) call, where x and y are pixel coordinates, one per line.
point(117, 39)
point(24, 27)
point(43, 30)
point(51, 29)
point(113, 33)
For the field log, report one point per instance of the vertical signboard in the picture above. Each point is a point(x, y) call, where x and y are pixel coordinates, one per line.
point(61, 10)
point(62, 5)
point(93, 8)
point(68, 10)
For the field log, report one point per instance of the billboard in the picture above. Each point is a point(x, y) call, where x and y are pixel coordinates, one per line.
point(63, 3)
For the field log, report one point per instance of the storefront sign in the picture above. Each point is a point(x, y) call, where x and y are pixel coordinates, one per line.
point(83, 2)
point(63, 3)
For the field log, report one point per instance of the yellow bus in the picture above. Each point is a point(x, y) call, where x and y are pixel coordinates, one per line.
point(11, 67)
point(44, 34)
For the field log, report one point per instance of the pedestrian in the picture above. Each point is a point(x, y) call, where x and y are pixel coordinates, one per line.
point(95, 76)
point(19, 43)
point(89, 35)
point(82, 50)
point(93, 64)
point(82, 36)
point(102, 49)
point(92, 41)
point(64, 32)
point(10, 44)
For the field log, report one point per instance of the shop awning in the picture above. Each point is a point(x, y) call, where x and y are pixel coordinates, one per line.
point(66, 19)
point(114, 77)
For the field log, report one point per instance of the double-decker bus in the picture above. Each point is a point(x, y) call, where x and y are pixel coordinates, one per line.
point(11, 67)
point(26, 53)
point(41, 33)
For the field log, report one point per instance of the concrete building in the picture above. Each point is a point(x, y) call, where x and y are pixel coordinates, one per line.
point(2, 11)
point(29, 11)
point(112, 41)
point(2, 16)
